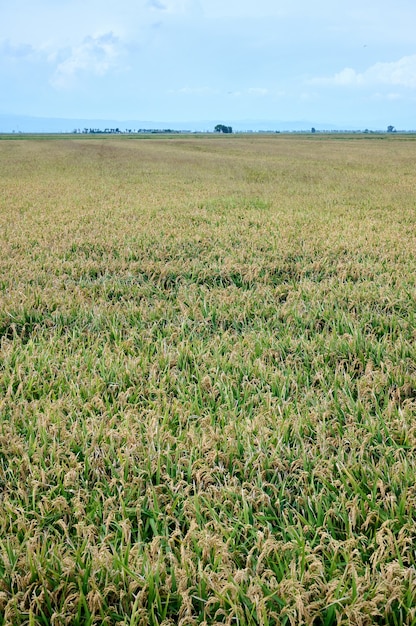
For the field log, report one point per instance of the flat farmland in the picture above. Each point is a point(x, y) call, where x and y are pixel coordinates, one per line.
point(208, 380)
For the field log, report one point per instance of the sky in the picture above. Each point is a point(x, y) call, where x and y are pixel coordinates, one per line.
point(341, 63)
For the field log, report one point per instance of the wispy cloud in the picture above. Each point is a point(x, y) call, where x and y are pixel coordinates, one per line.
point(255, 92)
point(391, 97)
point(17, 51)
point(157, 4)
point(401, 73)
point(95, 55)
point(258, 91)
point(173, 6)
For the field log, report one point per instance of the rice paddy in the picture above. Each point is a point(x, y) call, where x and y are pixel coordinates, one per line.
point(208, 380)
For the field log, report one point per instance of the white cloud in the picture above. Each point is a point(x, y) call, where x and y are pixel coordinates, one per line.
point(401, 73)
point(95, 55)
point(348, 76)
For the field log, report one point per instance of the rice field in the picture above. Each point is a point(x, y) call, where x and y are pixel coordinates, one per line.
point(208, 380)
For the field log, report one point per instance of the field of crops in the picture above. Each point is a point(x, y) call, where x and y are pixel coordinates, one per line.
point(208, 380)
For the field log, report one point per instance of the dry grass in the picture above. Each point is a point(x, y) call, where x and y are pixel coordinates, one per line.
point(208, 381)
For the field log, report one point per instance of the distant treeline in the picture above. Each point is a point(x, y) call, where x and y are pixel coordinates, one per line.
point(117, 131)
point(228, 129)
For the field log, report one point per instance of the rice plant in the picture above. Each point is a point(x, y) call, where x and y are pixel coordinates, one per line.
point(208, 380)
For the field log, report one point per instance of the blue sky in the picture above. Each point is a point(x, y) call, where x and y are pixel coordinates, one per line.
point(346, 63)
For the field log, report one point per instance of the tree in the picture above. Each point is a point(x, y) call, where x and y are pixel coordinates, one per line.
point(313, 130)
point(220, 128)
point(391, 129)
